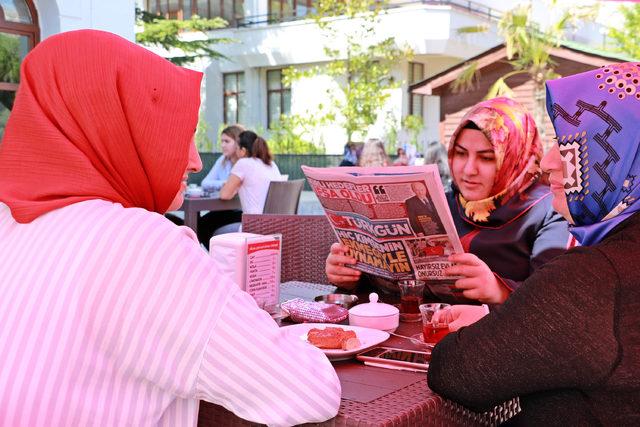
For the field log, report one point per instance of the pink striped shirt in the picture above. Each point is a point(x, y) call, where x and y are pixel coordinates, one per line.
point(114, 316)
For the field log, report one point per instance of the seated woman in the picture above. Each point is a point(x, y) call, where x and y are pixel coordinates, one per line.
point(350, 156)
point(251, 176)
point(566, 342)
point(373, 154)
point(221, 169)
point(501, 211)
point(112, 315)
point(215, 179)
point(402, 159)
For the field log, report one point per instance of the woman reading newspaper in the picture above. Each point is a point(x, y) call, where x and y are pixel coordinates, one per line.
point(501, 210)
point(567, 341)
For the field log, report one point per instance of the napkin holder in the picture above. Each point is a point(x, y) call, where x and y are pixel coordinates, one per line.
point(252, 261)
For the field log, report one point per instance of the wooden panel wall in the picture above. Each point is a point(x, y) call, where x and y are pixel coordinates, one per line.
point(453, 106)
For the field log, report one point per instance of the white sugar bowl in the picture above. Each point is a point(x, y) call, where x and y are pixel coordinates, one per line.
point(374, 314)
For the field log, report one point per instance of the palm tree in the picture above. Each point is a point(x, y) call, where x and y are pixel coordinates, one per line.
point(528, 52)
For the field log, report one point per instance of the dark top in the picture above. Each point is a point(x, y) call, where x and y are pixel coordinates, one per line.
point(567, 341)
point(521, 236)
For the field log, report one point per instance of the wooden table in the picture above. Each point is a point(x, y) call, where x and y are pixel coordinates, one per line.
point(373, 396)
point(192, 206)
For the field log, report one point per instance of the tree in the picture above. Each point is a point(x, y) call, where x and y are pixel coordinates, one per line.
point(9, 73)
point(166, 33)
point(9, 59)
point(627, 38)
point(295, 134)
point(528, 52)
point(364, 61)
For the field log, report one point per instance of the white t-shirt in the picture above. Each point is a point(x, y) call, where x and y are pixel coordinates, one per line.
point(255, 177)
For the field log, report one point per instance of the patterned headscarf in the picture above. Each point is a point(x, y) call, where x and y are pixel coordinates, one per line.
point(514, 137)
point(596, 116)
point(97, 117)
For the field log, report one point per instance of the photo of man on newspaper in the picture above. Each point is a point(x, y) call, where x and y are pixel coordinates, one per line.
point(422, 216)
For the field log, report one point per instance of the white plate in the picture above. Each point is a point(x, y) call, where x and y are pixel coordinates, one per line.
point(368, 337)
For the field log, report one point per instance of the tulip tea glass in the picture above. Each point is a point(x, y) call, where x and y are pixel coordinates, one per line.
point(435, 325)
point(410, 295)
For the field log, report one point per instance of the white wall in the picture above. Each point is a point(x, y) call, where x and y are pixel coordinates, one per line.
point(430, 31)
point(116, 16)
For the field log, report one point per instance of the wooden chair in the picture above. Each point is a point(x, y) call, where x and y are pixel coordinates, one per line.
point(306, 240)
point(283, 197)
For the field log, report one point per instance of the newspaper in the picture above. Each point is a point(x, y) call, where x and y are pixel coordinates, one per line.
point(395, 220)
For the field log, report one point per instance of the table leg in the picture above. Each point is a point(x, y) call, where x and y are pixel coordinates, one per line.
point(191, 220)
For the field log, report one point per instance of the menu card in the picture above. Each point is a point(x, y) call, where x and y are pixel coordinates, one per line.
point(263, 256)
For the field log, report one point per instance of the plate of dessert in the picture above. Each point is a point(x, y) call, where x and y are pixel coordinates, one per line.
point(338, 342)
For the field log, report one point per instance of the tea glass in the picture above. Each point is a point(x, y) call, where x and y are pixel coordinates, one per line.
point(410, 299)
point(434, 329)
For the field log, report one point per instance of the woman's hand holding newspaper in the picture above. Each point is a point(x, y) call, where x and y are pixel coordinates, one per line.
point(478, 282)
point(337, 272)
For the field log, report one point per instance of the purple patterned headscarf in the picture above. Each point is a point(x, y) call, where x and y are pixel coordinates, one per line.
point(596, 116)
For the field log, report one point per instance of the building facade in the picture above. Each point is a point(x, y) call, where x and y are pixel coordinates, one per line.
point(272, 35)
point(24, 23)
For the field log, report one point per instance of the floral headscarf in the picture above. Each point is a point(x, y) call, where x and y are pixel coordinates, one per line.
point(596, 115)
point(97, 117)
point(518, 151)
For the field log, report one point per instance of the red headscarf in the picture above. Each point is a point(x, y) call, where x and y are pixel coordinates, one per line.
point(514, 137)
point(97, 117)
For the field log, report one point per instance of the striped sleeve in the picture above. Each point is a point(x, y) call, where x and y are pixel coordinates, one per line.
point(254, 369)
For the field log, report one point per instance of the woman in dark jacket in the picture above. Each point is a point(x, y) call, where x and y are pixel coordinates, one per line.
point(567, 342)
point(501, 211)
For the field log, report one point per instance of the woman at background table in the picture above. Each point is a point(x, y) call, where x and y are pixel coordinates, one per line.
point(567, 341)
point(250, 177)
point(215, 179)
point(373, 154)
point(110, 314)
point(501, 211)
point(219, 173)
point(402, 159)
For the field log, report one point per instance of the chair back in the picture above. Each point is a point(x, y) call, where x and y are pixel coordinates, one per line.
point(283, 197)
point(306, 240)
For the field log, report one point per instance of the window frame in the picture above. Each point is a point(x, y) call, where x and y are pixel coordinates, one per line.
point(226, 94)
point(412, 96)
point(31, 31)
point(281, 91)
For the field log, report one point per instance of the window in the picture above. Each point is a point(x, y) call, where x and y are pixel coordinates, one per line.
point(283, 9)
point(19, 33)
point(230, 10)
point(235, 105)
point(416, 102)
point(278, 97)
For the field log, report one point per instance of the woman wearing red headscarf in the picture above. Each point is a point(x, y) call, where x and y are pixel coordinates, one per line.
point(111, 314)
point(501, 211)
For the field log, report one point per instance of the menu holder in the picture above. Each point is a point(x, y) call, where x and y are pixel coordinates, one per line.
point(262, 279)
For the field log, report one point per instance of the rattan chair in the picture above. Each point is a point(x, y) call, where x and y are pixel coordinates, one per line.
point(283, 197)
point(306, 240)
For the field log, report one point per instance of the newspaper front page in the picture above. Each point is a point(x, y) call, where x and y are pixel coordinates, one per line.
point(395, 220)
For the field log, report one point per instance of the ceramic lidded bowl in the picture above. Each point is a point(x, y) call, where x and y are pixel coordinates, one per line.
point(375, 315)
